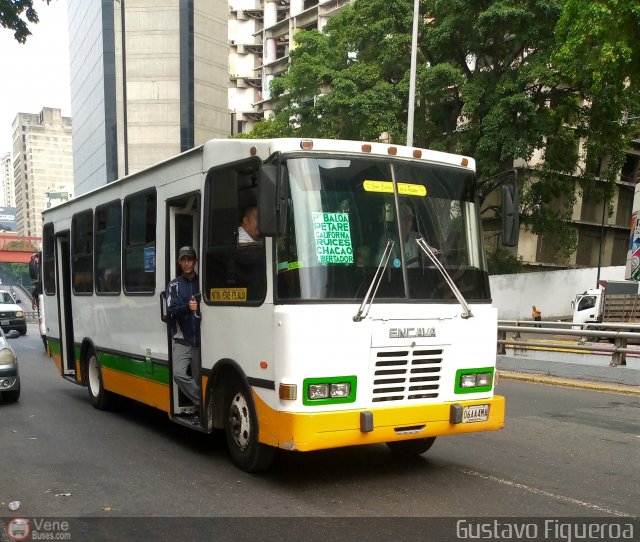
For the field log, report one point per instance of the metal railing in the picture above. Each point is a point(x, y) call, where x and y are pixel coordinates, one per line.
point(618, 334)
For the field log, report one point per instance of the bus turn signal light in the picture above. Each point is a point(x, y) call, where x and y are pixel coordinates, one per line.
point(288, 392)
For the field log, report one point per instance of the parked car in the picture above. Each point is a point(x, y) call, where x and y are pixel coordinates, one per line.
point(11, 314)
point(9, 374)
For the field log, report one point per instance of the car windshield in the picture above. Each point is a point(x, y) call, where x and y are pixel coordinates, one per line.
point(341, 213)
point(6, 299)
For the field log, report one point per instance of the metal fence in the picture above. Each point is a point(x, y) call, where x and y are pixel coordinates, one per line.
point(586, 337)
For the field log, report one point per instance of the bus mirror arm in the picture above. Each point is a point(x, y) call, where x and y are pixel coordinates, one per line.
point(510, 208)
point(272, 200)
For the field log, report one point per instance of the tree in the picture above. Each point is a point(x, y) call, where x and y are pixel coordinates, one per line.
point(11, 17)
point(489, 85)
point(599, 51)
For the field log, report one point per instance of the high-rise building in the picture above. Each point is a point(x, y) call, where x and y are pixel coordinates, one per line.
point(42, 161)
point(261, 36)
point(149, 79)
point(7, 190)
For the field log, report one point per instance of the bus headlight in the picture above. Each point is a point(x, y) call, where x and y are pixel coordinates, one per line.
point(19, 314)
point(318, 391)
point(340, 389)
point(474, 380)
point(468, 381)
point(329, 390)
point(483, 379)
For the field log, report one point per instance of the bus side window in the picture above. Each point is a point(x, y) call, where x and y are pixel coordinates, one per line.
point(233, 274)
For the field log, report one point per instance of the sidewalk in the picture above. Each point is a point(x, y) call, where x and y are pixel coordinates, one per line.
point(588, 371)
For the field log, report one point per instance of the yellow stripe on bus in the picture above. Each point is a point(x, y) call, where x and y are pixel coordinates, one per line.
point(146, 391)
point(323, 430)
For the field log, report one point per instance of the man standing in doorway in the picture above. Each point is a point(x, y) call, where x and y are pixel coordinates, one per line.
point(183, 307)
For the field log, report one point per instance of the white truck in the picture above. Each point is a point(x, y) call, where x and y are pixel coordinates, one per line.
point(612, 301)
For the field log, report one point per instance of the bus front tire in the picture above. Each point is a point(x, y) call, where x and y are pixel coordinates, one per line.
point(100, 398)
point(241, 431)
point(411, 447)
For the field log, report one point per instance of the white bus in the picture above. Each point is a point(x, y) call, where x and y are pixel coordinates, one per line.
point(328, 332)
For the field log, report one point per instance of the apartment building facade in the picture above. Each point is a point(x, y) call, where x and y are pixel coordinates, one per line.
point(7, 189)
point(260, 38)
point(42, 162)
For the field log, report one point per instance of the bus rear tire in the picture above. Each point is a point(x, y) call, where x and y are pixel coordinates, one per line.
point(411, 447)
point(241, 431)
point(99, 397)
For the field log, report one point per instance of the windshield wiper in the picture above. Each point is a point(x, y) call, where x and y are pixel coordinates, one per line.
point(375, 283)
point(431, 255)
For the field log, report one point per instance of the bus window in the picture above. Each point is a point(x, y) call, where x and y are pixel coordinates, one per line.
point(233, 273)
point(48, 261)
point(82, 252)
point(140, 243)
point(108, 224)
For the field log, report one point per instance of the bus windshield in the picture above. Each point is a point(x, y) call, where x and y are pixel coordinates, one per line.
point(341, 213)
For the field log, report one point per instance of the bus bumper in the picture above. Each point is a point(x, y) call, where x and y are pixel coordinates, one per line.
point(322, 430)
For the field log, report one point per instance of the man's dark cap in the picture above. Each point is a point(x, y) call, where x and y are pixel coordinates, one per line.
point(187, 251)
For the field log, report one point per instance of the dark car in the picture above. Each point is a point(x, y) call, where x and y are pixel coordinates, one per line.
point(9, 374)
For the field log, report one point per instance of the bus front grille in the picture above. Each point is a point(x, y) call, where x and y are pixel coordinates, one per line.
point(406, 374)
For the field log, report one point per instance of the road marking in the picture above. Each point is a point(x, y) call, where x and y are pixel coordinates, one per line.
point(541, 492)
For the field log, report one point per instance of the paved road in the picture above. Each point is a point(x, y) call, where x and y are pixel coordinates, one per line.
point(564, 452)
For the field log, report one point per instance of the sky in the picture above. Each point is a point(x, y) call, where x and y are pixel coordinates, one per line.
point(35, 74)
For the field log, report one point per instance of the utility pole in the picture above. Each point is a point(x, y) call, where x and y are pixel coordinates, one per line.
point(412, 73)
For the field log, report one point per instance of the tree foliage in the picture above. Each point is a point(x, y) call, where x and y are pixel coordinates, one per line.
point(16, 15)
point(495, 80)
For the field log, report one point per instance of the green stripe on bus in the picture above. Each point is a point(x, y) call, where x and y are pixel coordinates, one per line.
point(54, 345)
point(144, 369)
point(140, 368)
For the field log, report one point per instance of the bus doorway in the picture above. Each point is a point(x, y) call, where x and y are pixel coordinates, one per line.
point(65, 316)
point(183, 226)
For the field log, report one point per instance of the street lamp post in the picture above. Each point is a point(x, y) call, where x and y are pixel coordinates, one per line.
point(412, 73)
point(604, 205)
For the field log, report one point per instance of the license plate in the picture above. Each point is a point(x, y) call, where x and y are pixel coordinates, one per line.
point(4, 322)
point(475, 413)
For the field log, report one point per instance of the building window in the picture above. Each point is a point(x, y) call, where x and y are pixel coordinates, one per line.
point(140, 243)
point(631, 169)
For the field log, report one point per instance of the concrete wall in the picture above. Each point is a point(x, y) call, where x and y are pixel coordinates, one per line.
point(551, 291)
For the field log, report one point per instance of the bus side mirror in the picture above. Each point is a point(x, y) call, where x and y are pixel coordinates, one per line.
point(510, 215)
point(272, 200)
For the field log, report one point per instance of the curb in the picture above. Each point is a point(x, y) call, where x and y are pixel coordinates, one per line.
point(569, 382)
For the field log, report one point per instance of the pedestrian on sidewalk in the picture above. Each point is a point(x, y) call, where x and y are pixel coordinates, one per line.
point(536, 314)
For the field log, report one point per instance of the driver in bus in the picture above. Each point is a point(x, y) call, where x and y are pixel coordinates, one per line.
point(248, 230)
point(183, 308)
point(412, 252)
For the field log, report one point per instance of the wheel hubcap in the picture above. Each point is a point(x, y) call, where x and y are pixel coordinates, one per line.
point(94, 376)
point(240, 421)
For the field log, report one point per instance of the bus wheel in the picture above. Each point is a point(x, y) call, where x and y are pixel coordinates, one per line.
point(241, 431)
point(411, 447)
point(100, 398)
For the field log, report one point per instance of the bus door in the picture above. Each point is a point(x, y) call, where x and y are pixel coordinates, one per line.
point(65, 316)
point(183, 228)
